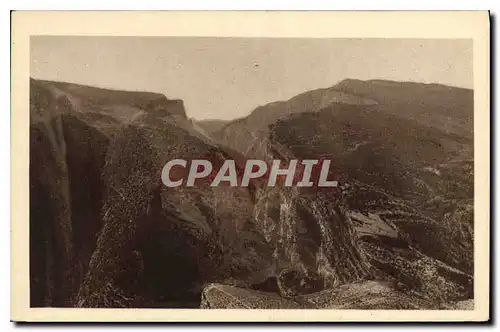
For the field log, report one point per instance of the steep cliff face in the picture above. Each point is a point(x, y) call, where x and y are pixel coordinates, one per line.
point(178, 239)
point(71, 129)
point(66, 158)
point(310, 235)
point(105, 232)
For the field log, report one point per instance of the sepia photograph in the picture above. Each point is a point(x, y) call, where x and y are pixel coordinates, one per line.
point(254, 172)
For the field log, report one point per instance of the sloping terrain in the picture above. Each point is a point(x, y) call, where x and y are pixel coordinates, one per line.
point(105, 232)
point(407, 185)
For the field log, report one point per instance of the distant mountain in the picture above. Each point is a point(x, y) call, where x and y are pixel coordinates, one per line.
point(446, 108)
point(105, 232)
point(247, 134)
point(212, 126)
point(435, 105)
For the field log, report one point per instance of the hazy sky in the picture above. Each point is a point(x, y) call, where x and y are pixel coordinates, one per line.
point(228, 77)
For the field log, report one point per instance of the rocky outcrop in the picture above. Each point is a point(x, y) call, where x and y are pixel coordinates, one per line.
point(75, 148)
point(217, 296)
